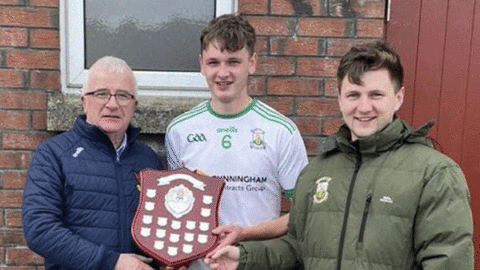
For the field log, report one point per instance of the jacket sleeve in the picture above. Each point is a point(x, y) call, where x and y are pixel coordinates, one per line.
point(45, 230)
point(443, 227)
point(276, 254)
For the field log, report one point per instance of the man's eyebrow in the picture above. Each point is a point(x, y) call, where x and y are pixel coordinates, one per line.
point(116, 90)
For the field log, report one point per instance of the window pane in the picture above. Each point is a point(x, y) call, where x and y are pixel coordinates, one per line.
point(151, 35)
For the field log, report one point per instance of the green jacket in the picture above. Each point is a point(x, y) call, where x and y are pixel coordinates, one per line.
point(388, 201)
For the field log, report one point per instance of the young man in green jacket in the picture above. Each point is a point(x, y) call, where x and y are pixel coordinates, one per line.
point(377, 196)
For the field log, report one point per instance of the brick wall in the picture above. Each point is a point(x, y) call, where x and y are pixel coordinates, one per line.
point(299, 43)
point(29, 68)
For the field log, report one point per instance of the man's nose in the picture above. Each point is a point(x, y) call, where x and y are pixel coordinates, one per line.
point(223, 71)
point(364, 105)
point(112, 102)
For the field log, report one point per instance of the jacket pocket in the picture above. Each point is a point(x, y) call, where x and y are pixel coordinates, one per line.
point(364, 218)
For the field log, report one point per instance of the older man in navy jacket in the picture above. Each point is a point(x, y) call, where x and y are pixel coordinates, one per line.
point(80, 195)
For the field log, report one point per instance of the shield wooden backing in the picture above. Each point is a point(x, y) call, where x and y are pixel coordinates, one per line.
point(176, 212)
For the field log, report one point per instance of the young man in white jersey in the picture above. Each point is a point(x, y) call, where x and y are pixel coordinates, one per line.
point(256, 150)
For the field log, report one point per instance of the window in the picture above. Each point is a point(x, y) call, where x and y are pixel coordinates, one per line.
point(159, 40)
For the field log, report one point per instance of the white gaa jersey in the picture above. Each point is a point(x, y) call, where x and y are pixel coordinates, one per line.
point(257, 152)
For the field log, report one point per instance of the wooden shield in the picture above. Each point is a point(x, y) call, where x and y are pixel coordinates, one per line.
point(176, 212)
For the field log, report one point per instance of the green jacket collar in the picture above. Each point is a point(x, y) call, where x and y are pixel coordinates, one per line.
point(389, 138)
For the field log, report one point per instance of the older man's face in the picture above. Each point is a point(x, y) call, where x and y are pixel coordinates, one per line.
point(107, 114)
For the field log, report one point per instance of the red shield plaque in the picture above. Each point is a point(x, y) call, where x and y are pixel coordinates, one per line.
point(176, 212)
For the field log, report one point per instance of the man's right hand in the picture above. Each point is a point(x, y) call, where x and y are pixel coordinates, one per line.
point(130, 261)
point(224, 259)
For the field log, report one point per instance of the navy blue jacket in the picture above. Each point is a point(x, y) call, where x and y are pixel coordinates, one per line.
point(79, 200)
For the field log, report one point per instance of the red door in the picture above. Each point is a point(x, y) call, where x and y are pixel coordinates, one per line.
point(439, 44)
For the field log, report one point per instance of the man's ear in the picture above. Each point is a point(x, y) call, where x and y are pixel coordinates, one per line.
point(82, 101)
point(399, 97)
point(253, 63)
point(200, 63)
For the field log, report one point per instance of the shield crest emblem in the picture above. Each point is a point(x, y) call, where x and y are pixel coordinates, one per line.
point(176, 212)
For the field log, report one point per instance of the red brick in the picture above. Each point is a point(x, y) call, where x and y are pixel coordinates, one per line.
point(369, 8)
point(316, 107)
point(308, 126)
point(253, 6)
point(14, 159)
point(22, 256)
point(317, 66)
point(330, 126)
point(282, 7)
point(11, 78)
point(370, 28)
point(261, 46)
point(13, 218)
point(293, 86)
point(33, 59)
point(44, 3)
point(10, 198)
point(256, 86)
point(283, 105)
point(13, 37)
point(10, 2)
point(14, 179)
point(311, 144)
point(39, 120)
point(331, 88)
point(25, 17)
point(23, 100)
point(338, 47)
point(270, 25)
point(292, 46)
point(41, 38)
point(18, 120)
point(23, 140)
point(45, 79)
point(275, 66)
point(321, 27)
point(285, 7)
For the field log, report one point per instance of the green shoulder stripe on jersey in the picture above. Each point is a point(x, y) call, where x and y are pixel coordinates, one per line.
point(231, 116)
point(274, 116)
point(199, 109)
point(288, 193)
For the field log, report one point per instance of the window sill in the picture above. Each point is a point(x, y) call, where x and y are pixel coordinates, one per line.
point(152, 115)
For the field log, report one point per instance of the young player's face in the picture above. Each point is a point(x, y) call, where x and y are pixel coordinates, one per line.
point(368, 108)
point(227, 74)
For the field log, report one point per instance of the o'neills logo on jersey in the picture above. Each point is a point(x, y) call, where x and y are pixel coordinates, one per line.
point(191, 138)
point(322, 189)
point(258, 139)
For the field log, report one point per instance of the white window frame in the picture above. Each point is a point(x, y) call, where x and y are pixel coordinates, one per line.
point(150, 83)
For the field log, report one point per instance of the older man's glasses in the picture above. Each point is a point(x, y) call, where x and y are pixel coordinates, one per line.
point(123, 98)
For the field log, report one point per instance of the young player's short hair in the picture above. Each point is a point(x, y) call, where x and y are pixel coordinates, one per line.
point(231, 32)
point(370, 57)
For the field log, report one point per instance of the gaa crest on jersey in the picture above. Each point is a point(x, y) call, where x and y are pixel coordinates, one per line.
point(258, 141)
point(176, 212)
point(321, 194)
